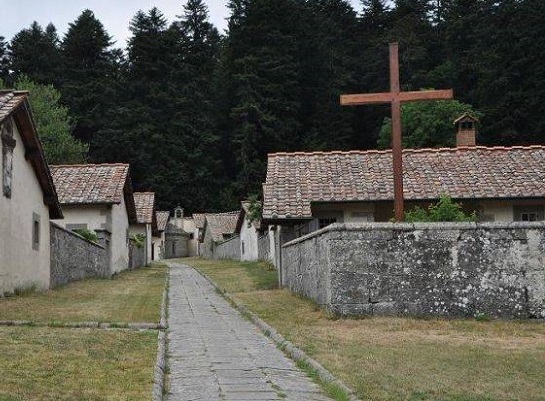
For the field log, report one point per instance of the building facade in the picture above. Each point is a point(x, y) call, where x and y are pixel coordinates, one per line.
point(27, 201)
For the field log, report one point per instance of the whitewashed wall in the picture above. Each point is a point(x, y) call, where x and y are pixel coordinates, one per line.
point(21, 266)
point(248, 241)
point(120, 246)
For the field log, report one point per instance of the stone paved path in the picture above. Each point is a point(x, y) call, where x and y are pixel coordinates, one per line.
point(215, 354)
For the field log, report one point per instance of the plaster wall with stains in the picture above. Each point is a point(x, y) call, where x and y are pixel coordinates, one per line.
point(441, 269)
point(23, 263)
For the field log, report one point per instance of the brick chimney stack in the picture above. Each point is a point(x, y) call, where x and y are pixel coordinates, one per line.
point(466, 130)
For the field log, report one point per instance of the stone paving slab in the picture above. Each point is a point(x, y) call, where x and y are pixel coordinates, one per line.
point(215, 354)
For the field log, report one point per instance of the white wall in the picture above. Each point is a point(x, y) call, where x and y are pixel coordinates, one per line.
point(20, 265)
point(95, 217)
point(158, 244)
point(248, 241)
point(144, 229)
point(192, 244)
point(120, 244)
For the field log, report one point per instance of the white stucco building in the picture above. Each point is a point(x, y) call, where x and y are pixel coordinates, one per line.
point(249, 230)
point(158, 240)
point(146, 222)
point(98, 197)
point(27, 199)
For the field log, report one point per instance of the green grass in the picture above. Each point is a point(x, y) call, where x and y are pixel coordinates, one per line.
point(394, 358)
point(42, 363)
point(235, 277)
point(133, 296)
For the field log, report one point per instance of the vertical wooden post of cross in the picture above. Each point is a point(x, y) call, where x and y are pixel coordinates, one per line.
point(395, 97)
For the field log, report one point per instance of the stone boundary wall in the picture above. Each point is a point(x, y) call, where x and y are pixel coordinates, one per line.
point(228, 249)
point(74, 258)
point(264, 248)
point(425, 269)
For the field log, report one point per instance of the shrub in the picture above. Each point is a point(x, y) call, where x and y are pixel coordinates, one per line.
point(89, 235)
point(138, 240)
point(444, 210)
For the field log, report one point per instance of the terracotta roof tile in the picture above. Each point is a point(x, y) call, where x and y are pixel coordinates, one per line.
point(90, 183)
point(200, 219)
point(9, 101)
point(294, 180)
point(162, 220)
point(145, 205)
point(221, 224)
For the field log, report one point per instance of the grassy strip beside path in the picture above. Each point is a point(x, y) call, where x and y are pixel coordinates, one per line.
point(392, 359)
point(133, 296)
point(41, 363)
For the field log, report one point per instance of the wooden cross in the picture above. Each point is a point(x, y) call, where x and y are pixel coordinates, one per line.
point(395, 97)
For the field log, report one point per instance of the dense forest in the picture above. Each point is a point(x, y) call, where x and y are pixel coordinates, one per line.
point(196, 112)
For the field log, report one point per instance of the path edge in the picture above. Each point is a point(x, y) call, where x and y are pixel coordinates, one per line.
point(159, 371)
point(288, 347)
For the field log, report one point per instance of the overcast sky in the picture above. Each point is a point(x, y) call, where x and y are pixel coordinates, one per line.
point(114, 14)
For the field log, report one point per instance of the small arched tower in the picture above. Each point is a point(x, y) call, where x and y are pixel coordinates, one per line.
point(466, 130)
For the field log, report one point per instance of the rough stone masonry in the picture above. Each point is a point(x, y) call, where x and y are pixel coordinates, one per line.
point(437, 269)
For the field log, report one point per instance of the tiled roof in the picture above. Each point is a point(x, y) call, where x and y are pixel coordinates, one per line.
point(9, 101)
point(162, 220)
point(221, 224)
point(90, 183)
point(294, 180)
point(15, 104)
point(145, 205)
point(200, 219)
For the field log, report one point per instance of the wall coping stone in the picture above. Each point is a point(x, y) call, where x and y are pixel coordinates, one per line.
point(74, 234)
point(416, 226)
point(227, 240)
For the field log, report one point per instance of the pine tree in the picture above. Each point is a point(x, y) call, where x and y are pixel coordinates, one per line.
point(262, 66)
point(90, 68)
point(328, 69)
point(35, 53)
point(4, 61)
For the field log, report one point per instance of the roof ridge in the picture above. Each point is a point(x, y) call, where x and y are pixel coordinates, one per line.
point(409, 150)
point(91, 165)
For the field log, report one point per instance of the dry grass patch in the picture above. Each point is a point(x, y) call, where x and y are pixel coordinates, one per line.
point(129, 297)
point(38, 364)
point(392, 359)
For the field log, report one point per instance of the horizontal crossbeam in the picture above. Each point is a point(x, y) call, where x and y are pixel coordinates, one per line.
point(388, 97)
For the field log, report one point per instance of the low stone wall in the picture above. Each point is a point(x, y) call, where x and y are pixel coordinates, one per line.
point(229, 249)
point(449, 269)
point(264, 248)
point(74, 258)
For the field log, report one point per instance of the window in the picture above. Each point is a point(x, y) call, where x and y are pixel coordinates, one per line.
point(35, 232)
point(529, 216)
point(528, 213)
point(191, 236)
point(178, 213)
point(326, 222)
point(467, 125)
point(174, 248)
point(242, 244)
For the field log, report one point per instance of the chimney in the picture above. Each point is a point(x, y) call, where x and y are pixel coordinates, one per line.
point(466, 130)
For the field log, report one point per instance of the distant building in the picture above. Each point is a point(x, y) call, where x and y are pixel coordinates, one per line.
point(221, 240)
point(200, 222)
point(176, 237)
point(159, 239)
point(99, 197)
point(146, 223)
point(28, 199)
